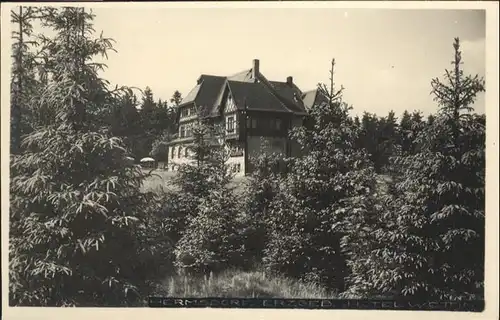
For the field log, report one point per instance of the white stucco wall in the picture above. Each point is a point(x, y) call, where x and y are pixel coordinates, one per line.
point(174, 162)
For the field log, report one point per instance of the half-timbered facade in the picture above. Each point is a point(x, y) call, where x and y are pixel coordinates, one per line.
point(251, 109)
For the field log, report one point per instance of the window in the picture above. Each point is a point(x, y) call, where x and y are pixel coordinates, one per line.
point(238, 167)
point(188, 131)
point(185, 152)
point(249, 122)
point(278, 124)
point(173, 153)
point(184, 112)
point(183, 131)
point(254, 123)
point(179, 152)
point(230, 125)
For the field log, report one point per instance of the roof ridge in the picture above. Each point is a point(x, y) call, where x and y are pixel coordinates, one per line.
point(211, 75)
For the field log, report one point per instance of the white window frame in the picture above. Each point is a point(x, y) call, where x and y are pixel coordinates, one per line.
point(233, 122)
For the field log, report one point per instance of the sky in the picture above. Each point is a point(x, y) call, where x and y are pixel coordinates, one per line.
point(385, 58)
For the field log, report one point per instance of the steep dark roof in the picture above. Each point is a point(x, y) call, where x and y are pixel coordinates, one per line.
point(259, 95)
point(291, 93)
point(191, 96)
point(256, 97)
point(205, 93)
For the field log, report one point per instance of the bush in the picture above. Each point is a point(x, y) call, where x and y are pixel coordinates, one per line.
point(211, 241)
point(259, 193)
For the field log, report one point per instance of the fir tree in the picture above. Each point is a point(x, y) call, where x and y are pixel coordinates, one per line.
point(370, 138)
point(76, 215)
point(405, 132)
point(176, 98)
point(23, 76)
point(148, 103)
point(410, 126)
point(431, 245)
point(259, 193)
point(201, 215)
point(430, 119)
point(387, 129)
point(307, 215)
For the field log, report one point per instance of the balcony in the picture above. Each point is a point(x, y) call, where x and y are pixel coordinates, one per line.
point(188, 118)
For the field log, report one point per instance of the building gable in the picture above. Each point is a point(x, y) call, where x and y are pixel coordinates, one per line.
point(230, 105)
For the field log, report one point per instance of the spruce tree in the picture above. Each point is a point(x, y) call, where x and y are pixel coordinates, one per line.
point(387, 130)
point(307, 215)
point(260, 190)
point(24, 81)
point(148, 102)
point(76, 215)
point(201, 216)
point(370, 139)
point(176, 98)
point(430, 245)
point(405, 132)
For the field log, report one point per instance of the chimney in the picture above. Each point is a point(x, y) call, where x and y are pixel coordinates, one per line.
point(289, 80)
point(255, 69)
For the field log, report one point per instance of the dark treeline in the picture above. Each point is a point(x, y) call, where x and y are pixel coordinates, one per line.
point(145, 126)
point(374, 207)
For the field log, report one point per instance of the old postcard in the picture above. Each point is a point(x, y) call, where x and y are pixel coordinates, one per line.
point(277, 159)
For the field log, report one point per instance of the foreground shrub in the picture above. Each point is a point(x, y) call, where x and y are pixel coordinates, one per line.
point(211, 241)
point(307, 214)
point(202, 216)
point(261, 188)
